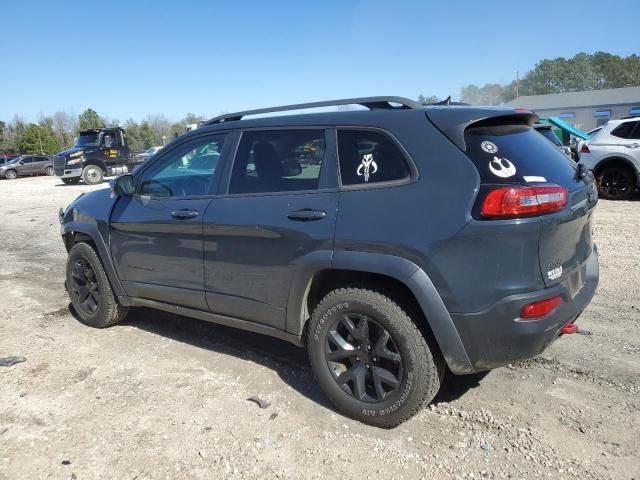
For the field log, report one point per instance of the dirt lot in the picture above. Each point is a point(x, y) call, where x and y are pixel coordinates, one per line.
point(165, 397)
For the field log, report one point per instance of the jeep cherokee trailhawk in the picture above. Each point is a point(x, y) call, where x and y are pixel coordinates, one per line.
point(393, 241)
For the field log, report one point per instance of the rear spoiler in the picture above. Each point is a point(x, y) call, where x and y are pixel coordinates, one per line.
point(453, 121)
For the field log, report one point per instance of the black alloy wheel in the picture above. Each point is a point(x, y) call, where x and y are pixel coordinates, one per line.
point(615, 183)
point(84, 287)
point(363, 358)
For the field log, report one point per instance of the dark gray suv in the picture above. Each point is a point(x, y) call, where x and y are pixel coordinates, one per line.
point(27, 165)
point(393, 242)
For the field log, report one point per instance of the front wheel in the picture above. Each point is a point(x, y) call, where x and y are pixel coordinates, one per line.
point(11, 174)
point(371, 359)
point(89, 289)
point(92, 175)
point(616, 183)
point(49, 171)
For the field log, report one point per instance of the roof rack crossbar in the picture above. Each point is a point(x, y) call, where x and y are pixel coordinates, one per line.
point(372, 103)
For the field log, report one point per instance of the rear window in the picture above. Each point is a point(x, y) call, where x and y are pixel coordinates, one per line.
point(517, 154)
point(549, 135)
point(625, 130)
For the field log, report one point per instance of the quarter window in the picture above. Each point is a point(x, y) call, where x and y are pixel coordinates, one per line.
point(278, 161)
point(624, 130)
point(368, 156)
point(184, 172)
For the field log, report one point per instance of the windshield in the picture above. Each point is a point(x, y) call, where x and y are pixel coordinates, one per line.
point(85, 139)
point(14, 160)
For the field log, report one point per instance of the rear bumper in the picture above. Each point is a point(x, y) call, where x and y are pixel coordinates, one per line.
point(497, 336)
point(68, 172)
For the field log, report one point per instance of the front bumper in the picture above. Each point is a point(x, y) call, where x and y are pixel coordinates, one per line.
point(498, 336)
point(68, 172)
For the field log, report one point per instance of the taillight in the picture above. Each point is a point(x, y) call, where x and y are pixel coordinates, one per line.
point(524, 201)
point(540, 309)
point(585, 148)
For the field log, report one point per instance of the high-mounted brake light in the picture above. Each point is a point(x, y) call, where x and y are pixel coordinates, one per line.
point(540, 309)
point(524, 201)
point(585, 148)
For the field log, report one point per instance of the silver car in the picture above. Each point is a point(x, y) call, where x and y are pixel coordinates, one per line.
point(27, 165)
point(613, 154)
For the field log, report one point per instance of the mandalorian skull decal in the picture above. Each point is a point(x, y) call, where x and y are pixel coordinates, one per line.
point(366, 166)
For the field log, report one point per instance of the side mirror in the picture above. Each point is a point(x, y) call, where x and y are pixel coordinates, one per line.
point(122, 186)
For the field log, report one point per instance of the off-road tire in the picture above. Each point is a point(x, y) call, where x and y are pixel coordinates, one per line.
point(11, 174)
point(423, 364)
point(109, 311)
point(623, 176)
point(92, 175)
point(71, 180)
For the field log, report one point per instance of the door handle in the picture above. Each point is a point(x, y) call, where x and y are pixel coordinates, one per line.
point(306, 215)
point(184, 214)
point(633, 145)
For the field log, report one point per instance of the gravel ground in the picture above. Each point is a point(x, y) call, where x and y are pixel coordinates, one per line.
point(162, 396)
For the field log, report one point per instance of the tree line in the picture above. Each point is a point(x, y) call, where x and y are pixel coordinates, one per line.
point(583, 71)
point(54, 133)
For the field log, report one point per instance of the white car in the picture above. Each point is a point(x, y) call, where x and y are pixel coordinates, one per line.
point(591, 134)
point(613, 154)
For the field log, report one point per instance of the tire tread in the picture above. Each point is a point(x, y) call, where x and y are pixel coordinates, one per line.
point(430, 370)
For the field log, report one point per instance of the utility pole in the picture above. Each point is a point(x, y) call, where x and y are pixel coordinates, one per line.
point(40, 140)
point(517, 83)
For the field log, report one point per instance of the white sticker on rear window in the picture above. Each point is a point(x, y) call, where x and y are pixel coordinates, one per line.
point(501, 167)
point(489, 147)
point(533, 179)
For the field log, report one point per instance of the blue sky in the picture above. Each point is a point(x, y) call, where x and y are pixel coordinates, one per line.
point(128, 59)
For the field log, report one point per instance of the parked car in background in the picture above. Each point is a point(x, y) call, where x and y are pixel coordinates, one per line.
point(4, 159)
point(547, 132)
point(149, 152)
point(301, 227)
point(613, 154)
point(578, 142)
point(27, 165)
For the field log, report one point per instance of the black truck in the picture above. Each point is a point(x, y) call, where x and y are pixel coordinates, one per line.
point(97, 153)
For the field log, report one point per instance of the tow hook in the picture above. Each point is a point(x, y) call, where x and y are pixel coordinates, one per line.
point(569, 328)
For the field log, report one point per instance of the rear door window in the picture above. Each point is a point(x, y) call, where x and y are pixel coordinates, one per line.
point(271, 161)
point(369, 157)
point(511, 153)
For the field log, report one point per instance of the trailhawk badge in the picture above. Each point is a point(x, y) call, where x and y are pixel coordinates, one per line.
point(555, 273)
point(365, 167)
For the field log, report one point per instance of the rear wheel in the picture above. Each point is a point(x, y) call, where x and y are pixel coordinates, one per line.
point(49, 171)
point(616, 182)
point(70, 181)
point(92, 175)
point(89, 289)
point(371, 359)
point(11, 174)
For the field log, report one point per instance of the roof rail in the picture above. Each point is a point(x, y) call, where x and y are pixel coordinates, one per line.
point(372, 103)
